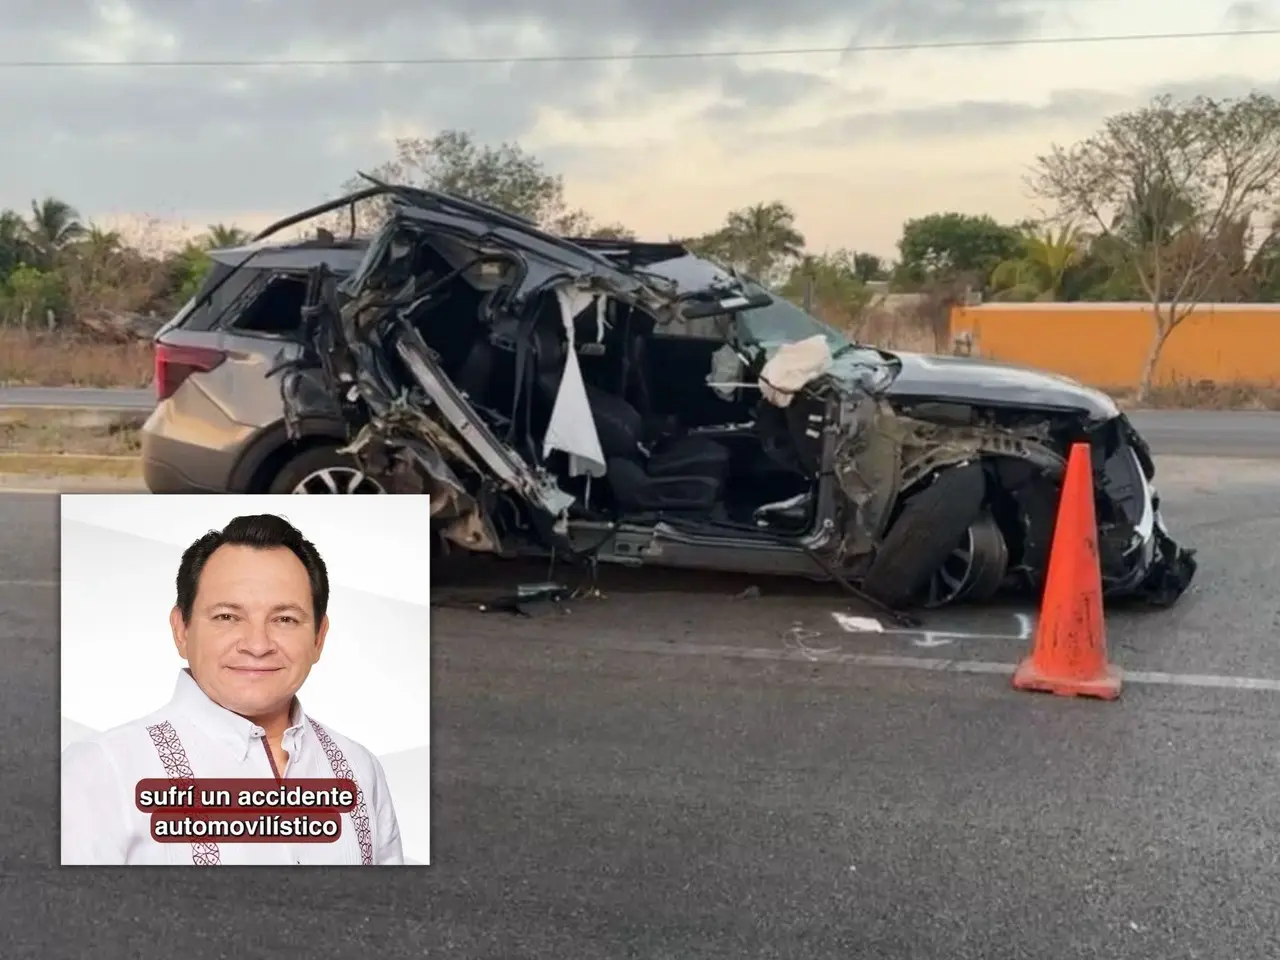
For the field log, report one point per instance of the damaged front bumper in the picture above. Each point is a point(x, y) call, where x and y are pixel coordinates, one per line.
point(1138, 554)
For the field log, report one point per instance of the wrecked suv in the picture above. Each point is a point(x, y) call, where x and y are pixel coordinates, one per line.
point(630, 402)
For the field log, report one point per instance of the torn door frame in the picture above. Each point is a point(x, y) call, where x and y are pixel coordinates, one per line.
point(403, 443)
point(357, 319)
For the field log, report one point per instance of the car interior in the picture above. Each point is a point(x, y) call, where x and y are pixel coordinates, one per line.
point(674, 448)
point(277, 309)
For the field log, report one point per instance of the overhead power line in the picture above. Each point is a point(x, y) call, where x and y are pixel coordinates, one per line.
point(657, 55)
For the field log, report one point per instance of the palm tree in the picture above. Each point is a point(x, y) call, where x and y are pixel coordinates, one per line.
point(762, 237)
point(1038, 273)
point(220, 235)
point(99, 243)
point(96, 252)
point(54, 224)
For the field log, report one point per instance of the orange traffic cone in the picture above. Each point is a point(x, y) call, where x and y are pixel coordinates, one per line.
point(1069, 653)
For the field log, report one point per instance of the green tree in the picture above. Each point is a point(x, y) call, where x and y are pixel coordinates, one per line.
point(187, 269)
point(1039, 271)
point(89, 260)
point(1264, 269)
point(1169, 186)
point(505, 176)
point(954, 246)
point(611, 231)
point(830, 284)
point(1099, 273)
point(869, 267)
point(761, 241)
point(15, 247)
point(832, 276)
point(103, 276)
point(97, 242)
point(28, 293)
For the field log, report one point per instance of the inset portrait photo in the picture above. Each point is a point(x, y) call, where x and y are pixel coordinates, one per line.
point(245, 680)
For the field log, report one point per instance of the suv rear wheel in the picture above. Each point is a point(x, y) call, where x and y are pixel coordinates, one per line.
point(324, 470)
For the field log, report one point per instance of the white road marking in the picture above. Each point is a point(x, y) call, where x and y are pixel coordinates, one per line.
point(28, 583)
point(1202, 680)
point(852, 624)
point(931, 638)
point(921, 637)
point(935, 664)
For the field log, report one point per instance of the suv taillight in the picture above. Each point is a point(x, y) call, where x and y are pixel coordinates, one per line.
point(174, 364)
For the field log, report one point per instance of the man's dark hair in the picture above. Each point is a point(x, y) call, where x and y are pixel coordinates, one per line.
point(264, 531)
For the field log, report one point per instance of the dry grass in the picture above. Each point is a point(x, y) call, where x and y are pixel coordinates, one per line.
point(61, 467)
point(55, 432)
point(58, 360)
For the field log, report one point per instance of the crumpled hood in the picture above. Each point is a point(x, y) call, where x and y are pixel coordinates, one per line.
point(987, 381)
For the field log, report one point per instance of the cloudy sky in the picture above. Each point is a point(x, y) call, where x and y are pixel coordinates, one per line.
point(855, 143)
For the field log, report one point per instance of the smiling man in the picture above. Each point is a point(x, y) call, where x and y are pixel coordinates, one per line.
point(250, 619)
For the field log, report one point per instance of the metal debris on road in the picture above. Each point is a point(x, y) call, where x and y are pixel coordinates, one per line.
point(526, 598)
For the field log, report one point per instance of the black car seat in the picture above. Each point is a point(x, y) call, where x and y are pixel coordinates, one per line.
point(487, 373)
point(684, 474)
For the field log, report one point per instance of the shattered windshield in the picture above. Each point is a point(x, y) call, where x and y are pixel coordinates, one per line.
point(783, 322)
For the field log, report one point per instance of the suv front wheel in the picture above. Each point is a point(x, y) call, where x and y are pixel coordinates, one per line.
point(324, 470)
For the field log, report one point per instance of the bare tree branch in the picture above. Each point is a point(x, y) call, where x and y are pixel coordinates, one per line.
point(1174, 187)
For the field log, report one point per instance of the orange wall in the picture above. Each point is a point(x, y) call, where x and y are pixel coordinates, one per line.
point(1105, 344)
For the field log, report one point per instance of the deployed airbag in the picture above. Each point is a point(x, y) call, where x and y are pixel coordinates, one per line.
point(793, 366)
point(572, 429)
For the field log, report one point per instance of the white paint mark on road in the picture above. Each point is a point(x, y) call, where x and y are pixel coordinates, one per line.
point(920, 637)
point(796, 640)
point(1202, 680)
point(930, 639)
point(934, 664)
point(28, 583)
point(852, 624)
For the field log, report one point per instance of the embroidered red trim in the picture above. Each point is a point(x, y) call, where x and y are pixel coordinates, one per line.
point(177, 766)
point(342, 770)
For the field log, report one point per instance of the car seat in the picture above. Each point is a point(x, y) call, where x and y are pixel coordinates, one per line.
point(684, 473)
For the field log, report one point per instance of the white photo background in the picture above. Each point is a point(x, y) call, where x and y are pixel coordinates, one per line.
point(119, 564)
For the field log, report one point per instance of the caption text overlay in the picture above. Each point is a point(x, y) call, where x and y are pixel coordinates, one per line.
point(245, 811)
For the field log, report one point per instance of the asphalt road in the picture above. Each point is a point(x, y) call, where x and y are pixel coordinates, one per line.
point(663, 772)
point(84, 397)
point(1207, 433)
point(1210, 433)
